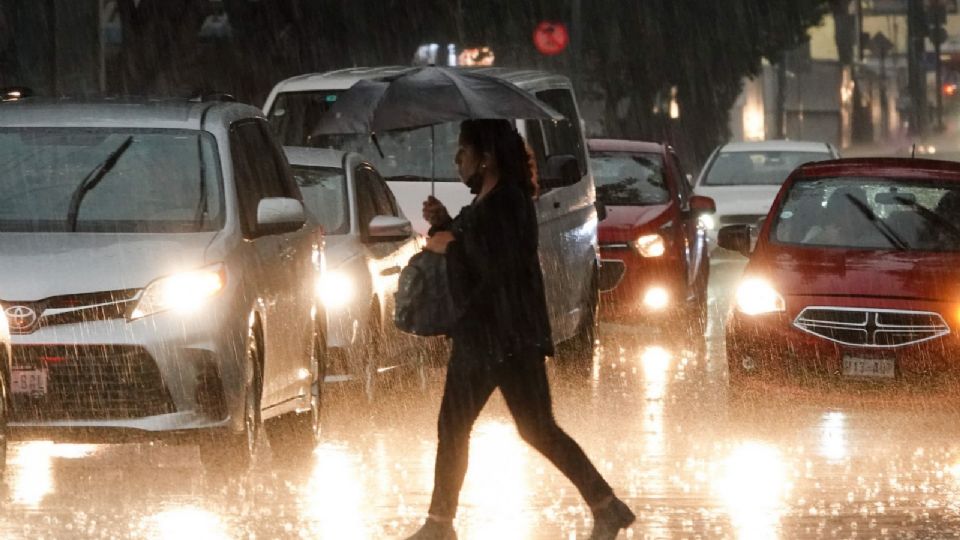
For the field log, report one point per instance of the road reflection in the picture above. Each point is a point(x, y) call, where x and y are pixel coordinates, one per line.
point(185, 522)
point(31, 466)
point(753, 484)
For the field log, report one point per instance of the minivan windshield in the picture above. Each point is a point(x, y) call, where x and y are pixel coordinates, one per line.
point(871, 213)
point(757, 168)
point(629, 179)
point(413, 155)
point(109, 180)
point(325, 196)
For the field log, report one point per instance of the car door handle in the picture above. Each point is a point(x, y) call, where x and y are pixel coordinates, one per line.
point(392, 271)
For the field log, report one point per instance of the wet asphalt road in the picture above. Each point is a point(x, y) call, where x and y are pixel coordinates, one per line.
point(654, 414)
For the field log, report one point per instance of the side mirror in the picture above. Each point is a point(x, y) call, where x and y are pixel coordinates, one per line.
point(277, 215)
point(389, 229)
point(562, 170)
point(735, 238)
point(601, 210)
point(701, 205)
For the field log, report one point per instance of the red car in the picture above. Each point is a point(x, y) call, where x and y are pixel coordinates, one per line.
point(855, 275)
point(652, 234)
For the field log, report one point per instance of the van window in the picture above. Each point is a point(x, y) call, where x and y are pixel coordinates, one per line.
point(563, 137)
point(294, 115)
point(415, 155)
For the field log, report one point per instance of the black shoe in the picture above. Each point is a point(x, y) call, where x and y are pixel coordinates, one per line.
point(434, 530)
point(608, 521)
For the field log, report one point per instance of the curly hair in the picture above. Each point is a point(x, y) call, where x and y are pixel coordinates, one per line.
point(501, 139)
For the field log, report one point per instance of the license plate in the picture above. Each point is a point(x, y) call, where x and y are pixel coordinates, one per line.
point(32, 382)
point(882, 368)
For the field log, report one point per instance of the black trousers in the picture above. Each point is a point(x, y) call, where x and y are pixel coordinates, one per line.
point(523, 383)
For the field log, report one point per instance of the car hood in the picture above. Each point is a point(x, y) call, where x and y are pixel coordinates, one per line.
point(40, 265)
point(913, 275)
point(628, 219)
point(733, 200)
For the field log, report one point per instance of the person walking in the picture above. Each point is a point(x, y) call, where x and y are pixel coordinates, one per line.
point(503, 334)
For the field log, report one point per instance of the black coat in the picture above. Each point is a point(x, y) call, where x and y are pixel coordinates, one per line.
point(495, 277)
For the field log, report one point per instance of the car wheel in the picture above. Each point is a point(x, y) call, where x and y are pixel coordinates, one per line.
point(236, 452)
point(372, 353)
point(4, 418)
point(578, 350)
point(294, 436)
point(697, 311)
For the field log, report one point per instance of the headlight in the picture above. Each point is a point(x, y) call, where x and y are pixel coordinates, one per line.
point(656, 298)
point(182, 293)
point(756, 296)
point(707, 222)
point(650, 245)
point(335, 289)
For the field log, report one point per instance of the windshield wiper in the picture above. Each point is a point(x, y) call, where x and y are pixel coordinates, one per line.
point(931, 216)
point(202, 205)
point(91, 181)
point(884, 229)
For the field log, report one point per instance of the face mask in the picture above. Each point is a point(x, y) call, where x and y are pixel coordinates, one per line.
point(475, 181)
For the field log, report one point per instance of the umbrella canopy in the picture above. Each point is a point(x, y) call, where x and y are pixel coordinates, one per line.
point(427, 96)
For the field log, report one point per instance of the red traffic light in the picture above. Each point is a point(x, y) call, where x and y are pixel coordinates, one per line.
point(551, 38)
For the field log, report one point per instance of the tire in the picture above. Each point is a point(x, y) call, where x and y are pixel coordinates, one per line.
point(294, 436)
point(235, 453)
point(4, 418)
point(578, 350)
point(696, 312)
point(371, 353)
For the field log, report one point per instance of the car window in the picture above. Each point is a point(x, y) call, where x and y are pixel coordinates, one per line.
point(563, 137)
point(416, 155)
point(629, 179)
point(259, 173)
point(366, 198)
point(163, 180)
point(757, 167)
point(386, 202)
point(682, 185)
point(294, 115)
point(325, 197)
point(870, 213)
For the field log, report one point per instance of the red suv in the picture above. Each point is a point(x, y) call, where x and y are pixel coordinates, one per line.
point(855, 275)
point(652, 234)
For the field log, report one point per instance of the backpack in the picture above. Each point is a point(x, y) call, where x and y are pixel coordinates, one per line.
point(424, 305)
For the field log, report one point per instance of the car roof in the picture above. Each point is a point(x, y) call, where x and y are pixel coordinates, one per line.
point(881, 167)
point(345, 78)
point(315, 157)
point(776, 146)
point(127, 113)
point(623, 145)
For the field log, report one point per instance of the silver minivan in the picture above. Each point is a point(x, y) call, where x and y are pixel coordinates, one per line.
point(158, 277)
point(410, 161)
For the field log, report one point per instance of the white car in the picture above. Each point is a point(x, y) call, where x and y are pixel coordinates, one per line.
point(744, 178)
point(417, 162)
point(368, 242)
point(153, 277)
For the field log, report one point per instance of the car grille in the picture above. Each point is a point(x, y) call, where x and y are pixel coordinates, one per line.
point(70, 309)
point(91, 383)
point(871, 327)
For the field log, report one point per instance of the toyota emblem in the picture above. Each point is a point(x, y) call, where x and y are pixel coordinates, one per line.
point(20, 318)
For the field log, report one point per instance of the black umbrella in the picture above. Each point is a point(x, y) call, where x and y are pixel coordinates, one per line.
point(426, 96)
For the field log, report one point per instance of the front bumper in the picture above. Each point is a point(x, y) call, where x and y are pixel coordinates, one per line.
point(771, 346)
point(162, 374)
point(640, 275)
